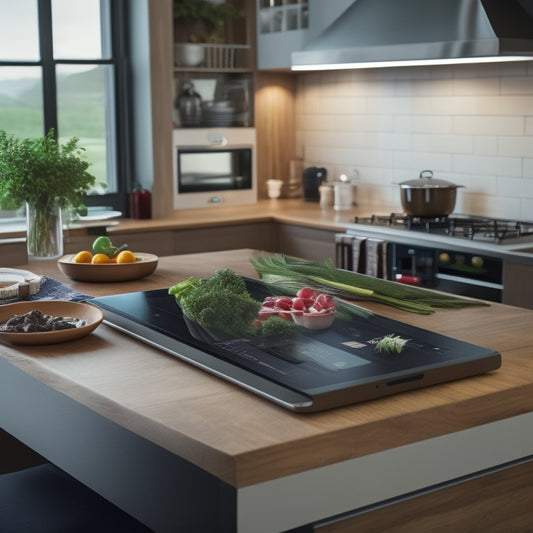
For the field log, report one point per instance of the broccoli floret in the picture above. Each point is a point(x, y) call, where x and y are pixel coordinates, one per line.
point(222, 303)
point(275, 325)
point(226, 279)
point(181, 289)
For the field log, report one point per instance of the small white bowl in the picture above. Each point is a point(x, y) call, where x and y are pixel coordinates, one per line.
point(315, 321)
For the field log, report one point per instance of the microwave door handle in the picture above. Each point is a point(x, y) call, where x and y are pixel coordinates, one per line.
point(217, 139)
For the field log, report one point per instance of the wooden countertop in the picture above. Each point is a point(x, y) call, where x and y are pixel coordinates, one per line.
point(281, 210)
point(244, 439)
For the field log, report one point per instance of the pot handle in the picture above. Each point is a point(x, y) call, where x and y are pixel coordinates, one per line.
point(426, 174)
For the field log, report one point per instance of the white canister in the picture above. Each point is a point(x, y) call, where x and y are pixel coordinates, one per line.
point(326, 196)
point(343, 196)
point(274, 188)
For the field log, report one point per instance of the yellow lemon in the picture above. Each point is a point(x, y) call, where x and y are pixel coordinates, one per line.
point(83, 257)
point(125, 257)
point(99, 259)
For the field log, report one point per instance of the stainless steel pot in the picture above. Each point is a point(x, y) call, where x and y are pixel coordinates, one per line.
point(428, 197)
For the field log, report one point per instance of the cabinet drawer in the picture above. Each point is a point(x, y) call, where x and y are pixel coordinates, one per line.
point(498, 501)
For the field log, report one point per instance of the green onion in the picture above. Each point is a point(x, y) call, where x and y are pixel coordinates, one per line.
point(279, 269)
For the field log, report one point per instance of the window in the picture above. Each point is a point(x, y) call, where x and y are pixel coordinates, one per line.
point(62, 67)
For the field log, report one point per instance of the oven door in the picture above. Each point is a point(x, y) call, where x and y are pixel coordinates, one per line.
point(449, 271)
point(213, 169)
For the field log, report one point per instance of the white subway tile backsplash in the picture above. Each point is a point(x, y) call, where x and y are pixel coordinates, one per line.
point(393, 105)
point(488, 125)
point(528, 126)
point(445, 105)
point(514, 187)
point(485, 144)
point(471, 124)
point(433, 87)
point(344, 105)
point(476, 87)
point(424, 124)
point(518, 105)
point(480, 184)
point(470, 164)
point(462, 144)
point(515, 146)
point(527, 167)
point(432, 161)
point(526, 209)
point(517, 85)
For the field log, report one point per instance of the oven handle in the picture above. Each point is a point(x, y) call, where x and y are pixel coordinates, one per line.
point(468, 281)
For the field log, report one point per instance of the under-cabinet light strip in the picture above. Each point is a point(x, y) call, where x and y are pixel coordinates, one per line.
point(409, 63)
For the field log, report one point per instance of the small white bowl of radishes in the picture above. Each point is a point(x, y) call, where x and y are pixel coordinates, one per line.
point(310, 309)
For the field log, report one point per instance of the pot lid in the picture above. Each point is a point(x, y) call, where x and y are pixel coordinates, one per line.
point(427, 181)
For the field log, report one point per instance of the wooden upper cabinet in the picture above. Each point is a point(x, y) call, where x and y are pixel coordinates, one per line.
point(214, 62)
point(214, 36)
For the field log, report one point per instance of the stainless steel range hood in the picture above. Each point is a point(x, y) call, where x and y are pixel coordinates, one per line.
point(381, 33)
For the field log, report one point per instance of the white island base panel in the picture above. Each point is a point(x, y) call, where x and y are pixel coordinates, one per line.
point(299, 499)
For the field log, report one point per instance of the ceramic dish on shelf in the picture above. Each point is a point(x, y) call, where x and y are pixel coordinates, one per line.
point(89, 314)
point(144, 265)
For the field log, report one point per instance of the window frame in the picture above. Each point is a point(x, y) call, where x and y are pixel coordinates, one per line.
point(119, 31)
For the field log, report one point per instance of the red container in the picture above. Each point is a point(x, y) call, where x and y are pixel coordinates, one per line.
point(140, 203)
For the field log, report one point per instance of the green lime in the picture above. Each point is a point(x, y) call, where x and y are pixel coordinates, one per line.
point(101, 244)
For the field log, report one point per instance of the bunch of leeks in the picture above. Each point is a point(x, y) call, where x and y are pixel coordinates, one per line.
point(289, 274)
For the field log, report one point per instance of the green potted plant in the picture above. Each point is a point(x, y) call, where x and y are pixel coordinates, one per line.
point(200, 21)
point(47, 177)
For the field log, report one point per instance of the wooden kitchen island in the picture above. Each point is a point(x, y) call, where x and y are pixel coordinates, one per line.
point(184, 451)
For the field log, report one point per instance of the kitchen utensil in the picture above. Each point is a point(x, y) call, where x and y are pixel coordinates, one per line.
point(428, 197)
point(312, 178)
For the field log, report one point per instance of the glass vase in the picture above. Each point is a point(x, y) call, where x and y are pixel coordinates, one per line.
point(44, 238)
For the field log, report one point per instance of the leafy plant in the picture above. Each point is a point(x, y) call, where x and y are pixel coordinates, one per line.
point(40, 170)
point(213, 15)
point(48, 177)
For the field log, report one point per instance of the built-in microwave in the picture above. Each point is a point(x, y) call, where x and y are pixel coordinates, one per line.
point(214, 166)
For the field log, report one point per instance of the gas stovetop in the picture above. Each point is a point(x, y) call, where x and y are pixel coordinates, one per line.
point(494, 230)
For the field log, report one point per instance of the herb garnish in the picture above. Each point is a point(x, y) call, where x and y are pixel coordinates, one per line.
point(391, 344)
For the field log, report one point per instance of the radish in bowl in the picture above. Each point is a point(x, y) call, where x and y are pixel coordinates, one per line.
point(311, 310)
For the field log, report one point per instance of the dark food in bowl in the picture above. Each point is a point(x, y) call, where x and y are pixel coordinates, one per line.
point(36, 322)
